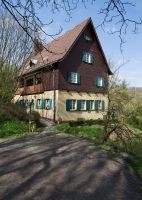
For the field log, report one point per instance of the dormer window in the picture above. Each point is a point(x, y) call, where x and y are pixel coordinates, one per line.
point(33, 62)
point(88, 57)
point(87, 37)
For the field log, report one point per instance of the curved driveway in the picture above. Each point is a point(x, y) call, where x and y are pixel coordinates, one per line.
point(61, 167)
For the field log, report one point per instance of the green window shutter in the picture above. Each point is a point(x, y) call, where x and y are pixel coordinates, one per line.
point(96, 105)
point(50, 103)
point(37, 104)
point(103, 105)
point(67, 105)
point(78, 104)
point(84, 56)
point(88, 105)
point(69, 77)
point(97, 80)
point(104, 82)
point(24, 103)
point(42, 105)
point(92, 58)
point(78, 78)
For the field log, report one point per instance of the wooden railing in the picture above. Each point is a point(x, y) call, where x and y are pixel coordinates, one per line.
point(33, 89)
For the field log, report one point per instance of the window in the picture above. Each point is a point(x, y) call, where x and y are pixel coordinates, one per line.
point(91, 105)
point(70, 105)
point(33, 62)
point(73, 105)
point(38, 80)
point(87, 37)
point(99, 105)
point(73, 77)
point(48, 104)
point(100, 82)
point(88, 57)
point(83, 105)
point(39, 103)
point(29, 82)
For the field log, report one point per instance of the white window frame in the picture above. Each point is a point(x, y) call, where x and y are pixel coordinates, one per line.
point(99, 104)
point(73, 105)
point(100, 82)
point(83, 104)
point(88, 58)
point(92, 104)
point(38, 102)
point(74, 77)
point(87, 37)
point(47, 106)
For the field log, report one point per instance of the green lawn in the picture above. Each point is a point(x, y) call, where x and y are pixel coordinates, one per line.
point(13, 128)
point(113, 148)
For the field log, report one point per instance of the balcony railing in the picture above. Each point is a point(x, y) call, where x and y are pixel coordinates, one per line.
point(33, 89)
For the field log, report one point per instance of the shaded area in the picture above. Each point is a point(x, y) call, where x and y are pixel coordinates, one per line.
point(62, 167)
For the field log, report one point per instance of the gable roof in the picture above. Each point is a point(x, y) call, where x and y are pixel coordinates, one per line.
point(58, 49)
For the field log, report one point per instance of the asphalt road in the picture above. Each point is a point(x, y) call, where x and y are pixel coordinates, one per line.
point(61, 167)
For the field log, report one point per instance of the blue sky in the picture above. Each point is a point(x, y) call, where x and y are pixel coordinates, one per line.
point(132, 50)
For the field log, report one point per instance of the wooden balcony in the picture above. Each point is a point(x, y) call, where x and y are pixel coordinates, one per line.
point(34, 89)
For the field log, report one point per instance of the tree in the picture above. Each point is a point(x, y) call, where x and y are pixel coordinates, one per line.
point(113, 11)
point(15, 46)
point(117, 116)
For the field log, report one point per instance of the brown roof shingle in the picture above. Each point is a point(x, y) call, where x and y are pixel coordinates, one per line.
point(57, 49)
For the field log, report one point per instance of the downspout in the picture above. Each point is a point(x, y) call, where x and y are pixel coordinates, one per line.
point(54, 97)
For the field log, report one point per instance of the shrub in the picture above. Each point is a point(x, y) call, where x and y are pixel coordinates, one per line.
point(35, 116)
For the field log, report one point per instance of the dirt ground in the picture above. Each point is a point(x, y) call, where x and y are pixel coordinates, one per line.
point(61, 167)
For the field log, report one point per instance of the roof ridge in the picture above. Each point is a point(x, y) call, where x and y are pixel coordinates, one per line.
point(86, 20)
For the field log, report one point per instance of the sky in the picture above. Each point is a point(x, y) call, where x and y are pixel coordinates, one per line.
point(131, 71)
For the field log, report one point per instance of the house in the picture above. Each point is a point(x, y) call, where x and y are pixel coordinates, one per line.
point(68, 78)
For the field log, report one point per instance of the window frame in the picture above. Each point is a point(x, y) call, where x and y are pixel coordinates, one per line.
point(83, 101)
point(75, 105)
point(47, 101)
point(92, 108)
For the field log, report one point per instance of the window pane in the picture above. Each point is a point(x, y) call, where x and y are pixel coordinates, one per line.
point(91, 105)
point(74, 77)
point(73, 105)
point(83, 104)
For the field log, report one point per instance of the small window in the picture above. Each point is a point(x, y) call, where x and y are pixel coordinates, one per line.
point(88, 57)
point(39, 102)
point(83, 105)
point(100, 82)
point(29, 82)
point(73, 105)
point(38, 80)
point(99, 104)
point(70, 105)
point(87, 37)
point(73, 77)
point(48, 104)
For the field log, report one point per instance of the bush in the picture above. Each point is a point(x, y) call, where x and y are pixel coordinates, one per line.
point(83, 122)
point(35, 116)
point(10, 111)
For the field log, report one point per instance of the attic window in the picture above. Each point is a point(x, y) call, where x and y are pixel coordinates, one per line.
point(87, 37)
point(33, 62)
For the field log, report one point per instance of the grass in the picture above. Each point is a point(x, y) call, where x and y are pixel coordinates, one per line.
point(89, 132)
point(13, 128)
point(113, 148)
